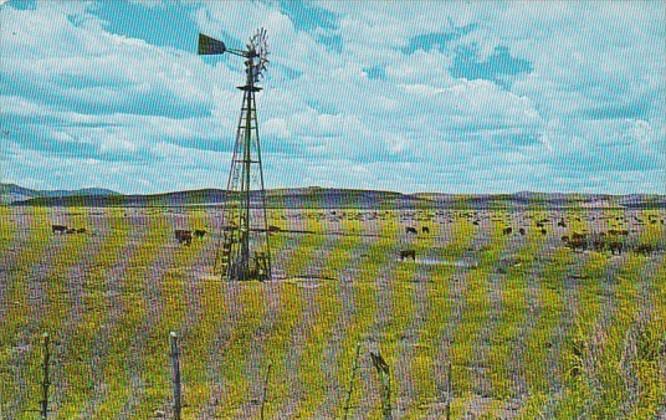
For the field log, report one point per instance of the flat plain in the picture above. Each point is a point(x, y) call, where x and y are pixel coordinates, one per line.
point(532, 324)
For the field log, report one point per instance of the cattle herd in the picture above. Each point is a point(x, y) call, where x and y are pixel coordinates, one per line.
point(66, 230)
point(598, 239)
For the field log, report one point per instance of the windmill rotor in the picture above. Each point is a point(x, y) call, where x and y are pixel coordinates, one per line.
point(258, 47)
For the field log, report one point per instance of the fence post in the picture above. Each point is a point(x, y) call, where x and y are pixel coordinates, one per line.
point(175, 363)
point(385, 379)
point(448, 392)
point(265, 393)
point(44, 411)
point(351, 380)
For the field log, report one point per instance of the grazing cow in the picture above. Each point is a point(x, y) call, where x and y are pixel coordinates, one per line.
point(521, 231)
point(475, 223)
point(615, 246)
point(183, 236)
point(543, 231)
point(507, 231)
point(425, 229)
point(272, 228)
point(70, 231)
point(565, 238)
point(408, 253)
point(58, 228)
point(200, 233)
point(577, 236)
point(644, 249)
point(410, 229)
point(576, 243)
point(561, 223)
point(81, 230)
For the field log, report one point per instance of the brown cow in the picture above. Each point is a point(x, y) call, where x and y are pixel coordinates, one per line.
point(507, 231)
point(615, 246)
point(576, 243)
point(183, 236)
point(521, 231)
point(408, 253)
point(58, 228)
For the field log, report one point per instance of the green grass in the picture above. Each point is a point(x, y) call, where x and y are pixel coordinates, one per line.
point(592, 347)
point(56, 310)
point(427, 352)
point(76, 375)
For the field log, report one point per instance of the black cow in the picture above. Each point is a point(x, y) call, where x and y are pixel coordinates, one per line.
point(81, 230)
point(521, 231)
point(561, 223)
point(408, 253)
point(425, 229)
point(183, 236)
point(615, 246)
point(507, 231)
point(70, 231)
point(200, 233)
point(58, 228)
point(410, 229)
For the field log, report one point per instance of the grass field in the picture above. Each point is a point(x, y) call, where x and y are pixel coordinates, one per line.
point(531, 327)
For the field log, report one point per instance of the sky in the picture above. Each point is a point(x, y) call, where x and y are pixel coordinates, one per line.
point(454, 97)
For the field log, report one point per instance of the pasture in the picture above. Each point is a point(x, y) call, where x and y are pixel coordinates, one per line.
point(531, 325)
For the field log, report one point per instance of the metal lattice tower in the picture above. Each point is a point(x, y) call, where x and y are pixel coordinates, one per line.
point(244, 247)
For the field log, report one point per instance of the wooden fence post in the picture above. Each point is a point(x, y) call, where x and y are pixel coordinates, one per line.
point(385, 379)
point(265, 392)
point(175, 363)
point(351, 380)
point(44, 411)
point(448, 392)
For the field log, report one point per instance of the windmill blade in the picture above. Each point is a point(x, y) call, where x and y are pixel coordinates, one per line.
point(210, 46)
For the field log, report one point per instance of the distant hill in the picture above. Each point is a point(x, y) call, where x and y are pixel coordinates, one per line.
point(12, 193)
point(317, 197)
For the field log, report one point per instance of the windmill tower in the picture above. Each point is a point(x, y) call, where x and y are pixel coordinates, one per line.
point(244, 247)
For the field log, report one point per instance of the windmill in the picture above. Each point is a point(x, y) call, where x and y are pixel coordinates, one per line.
point(243, 251)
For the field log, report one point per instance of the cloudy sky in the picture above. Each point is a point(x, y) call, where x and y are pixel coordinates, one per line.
point(406, 96)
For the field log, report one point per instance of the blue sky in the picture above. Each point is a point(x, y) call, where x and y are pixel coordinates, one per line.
point(409, 96)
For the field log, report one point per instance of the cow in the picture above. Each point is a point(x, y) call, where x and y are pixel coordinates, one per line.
point(615, 246)
point(577, 236)
point(70, 231)
point(576, 243)
point(183, 236)
point(81, 230)
point(521, 231)
point(410, 229)
point(644, 249)
point(425, 229)
point(475, 223)
point(543, 231)
point(507, 231)
point(408, 253)
point(200, 233)
point(58, 228)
